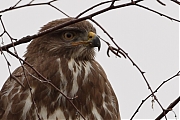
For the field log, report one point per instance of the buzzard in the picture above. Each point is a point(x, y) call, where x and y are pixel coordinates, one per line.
point(65, 57)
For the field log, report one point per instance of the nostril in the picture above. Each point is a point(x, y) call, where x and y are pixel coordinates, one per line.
point(90, 37)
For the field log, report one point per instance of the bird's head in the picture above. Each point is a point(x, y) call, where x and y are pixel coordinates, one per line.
point(74, 41)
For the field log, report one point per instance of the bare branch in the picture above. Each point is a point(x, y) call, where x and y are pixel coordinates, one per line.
point(31, 1)
point(134, 64)
point(16, 3)
point(133, 1)
point(93, 8)
point(166, 81)
point(13, 77)
point(122, 52)
point(7, 62)
point(112, 3)
point(29, 38)
point(176, 1)
point(59, 10)
point(115, 50)
point(169, 108)
point(26, 5)
point(30, 90)
point(45, 81)
point(157, 12)
point(177, 74)
point(161, 2)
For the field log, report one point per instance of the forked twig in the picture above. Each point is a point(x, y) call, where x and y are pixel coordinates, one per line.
point(154, 11)
point(177, 74)
point(115, 50)
point(119, 50)
point(48, 82)
point(29, 5)
point(29, 38)
point(169, 108)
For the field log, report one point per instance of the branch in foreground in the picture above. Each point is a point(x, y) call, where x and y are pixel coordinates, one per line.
point(102, 3)
point(26, 5)
point(30, 90)
point(176, 1)
point(122, 52)
point(35, 4)
point(161, 2)
point(169, 108)
point(177, 74)
point(29, 38)
point(154, 11)
point(47, 82)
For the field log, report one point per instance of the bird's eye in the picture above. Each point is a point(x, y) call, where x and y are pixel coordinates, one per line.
point(68, 35)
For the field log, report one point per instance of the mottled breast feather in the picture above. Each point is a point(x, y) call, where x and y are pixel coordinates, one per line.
point(71, 69)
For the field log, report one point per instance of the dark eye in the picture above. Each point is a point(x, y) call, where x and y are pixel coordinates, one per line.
point(68, 35)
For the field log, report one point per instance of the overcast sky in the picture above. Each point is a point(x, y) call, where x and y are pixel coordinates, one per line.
point(150, 40)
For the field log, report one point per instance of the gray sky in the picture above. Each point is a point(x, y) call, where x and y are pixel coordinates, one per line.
point(149, 39)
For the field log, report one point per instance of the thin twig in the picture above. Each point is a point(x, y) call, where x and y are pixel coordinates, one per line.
point(30, 90)
point(99, 4)
point(29, 38)
point(13, 77)
point(111, 38)
point(31, 1)
point(176, 1)
point(134, 64)
point(169, 108)
point(161, 2)
point(116, 51)
point(112, 3)
point(59, 10)
point(16, 3)
point(154, 11)
point(47, 81)
point(26, 5)
point(113, 49)
point(177, 74)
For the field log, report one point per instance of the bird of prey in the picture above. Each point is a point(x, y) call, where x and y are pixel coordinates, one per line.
point(64, 57)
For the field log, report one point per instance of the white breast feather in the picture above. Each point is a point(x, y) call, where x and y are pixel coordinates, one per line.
point(87, 68)
point(58, 113)
point(71, 65)
point(95, 112)
point(62, 77)
point(28, 104)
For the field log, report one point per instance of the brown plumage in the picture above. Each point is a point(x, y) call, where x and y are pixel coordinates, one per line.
point(66, 58)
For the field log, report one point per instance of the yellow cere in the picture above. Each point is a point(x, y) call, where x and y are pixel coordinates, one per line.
point(91, 35)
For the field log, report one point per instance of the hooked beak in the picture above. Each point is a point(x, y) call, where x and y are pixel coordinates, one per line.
point(93, 41)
